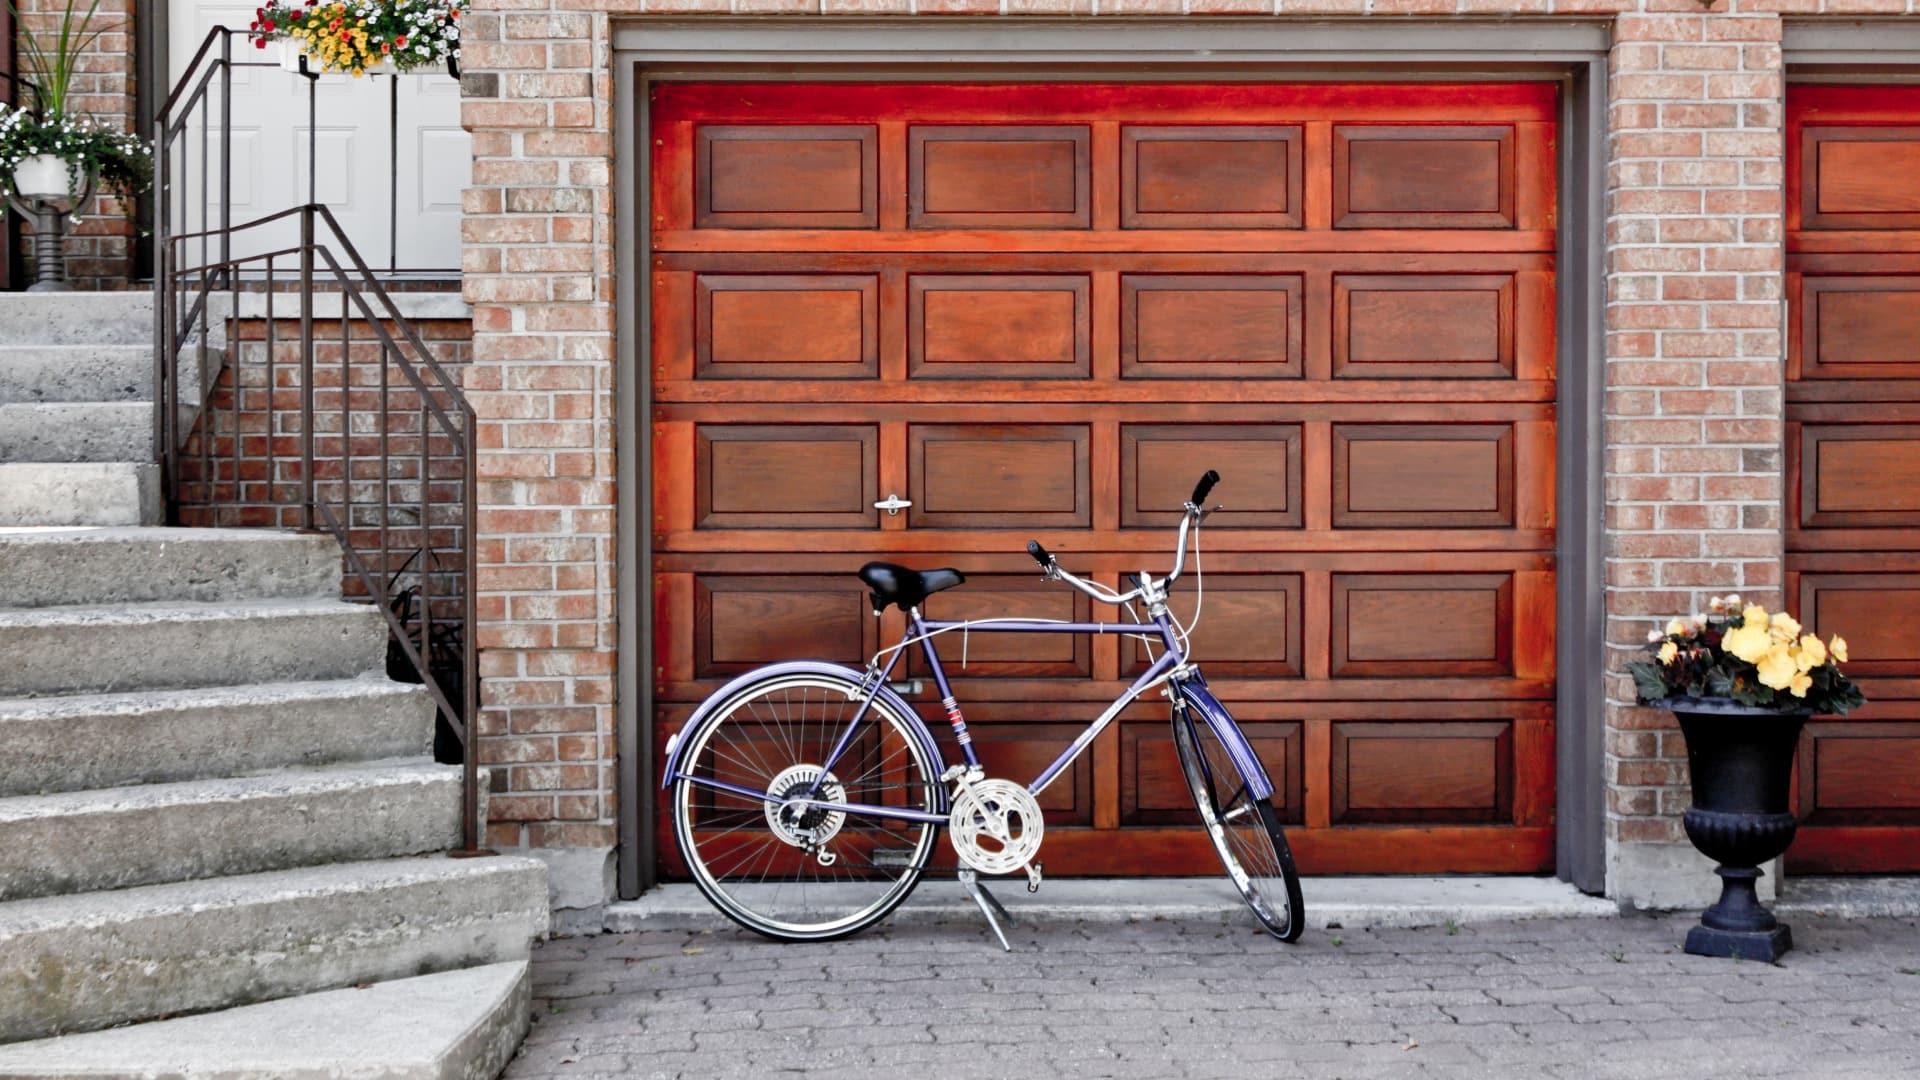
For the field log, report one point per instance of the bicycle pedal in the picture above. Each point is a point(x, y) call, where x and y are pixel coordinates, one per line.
point(1034, 872)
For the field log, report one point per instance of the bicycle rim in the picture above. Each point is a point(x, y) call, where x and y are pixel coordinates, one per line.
point(760, 864)
point(1245, 831)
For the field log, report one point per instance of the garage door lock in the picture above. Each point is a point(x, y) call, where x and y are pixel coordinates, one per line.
point(892, 504)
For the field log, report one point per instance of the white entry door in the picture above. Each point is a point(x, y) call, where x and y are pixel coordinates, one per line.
point(370, 160)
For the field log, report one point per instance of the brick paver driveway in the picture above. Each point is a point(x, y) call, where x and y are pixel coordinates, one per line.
point(1592, 998)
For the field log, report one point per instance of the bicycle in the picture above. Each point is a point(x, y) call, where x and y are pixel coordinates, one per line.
point(803, 823)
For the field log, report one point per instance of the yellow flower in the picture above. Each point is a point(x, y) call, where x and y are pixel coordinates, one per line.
point(1811, 654)
point(1755, 615)
point(1839, 648)
point(1777, 668)
point(1800, 684)
point(1785, 628)
point(1747, 642)
point(1668, 652)
point(1677, 628)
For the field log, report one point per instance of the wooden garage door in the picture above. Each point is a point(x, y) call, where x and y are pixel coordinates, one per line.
point(1853, 460)
point(1042, 311)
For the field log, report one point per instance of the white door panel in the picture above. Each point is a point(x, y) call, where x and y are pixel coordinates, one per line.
point(357, 176)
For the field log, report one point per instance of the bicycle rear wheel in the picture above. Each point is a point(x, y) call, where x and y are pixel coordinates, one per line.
point(1245, 830)
point(820, 873)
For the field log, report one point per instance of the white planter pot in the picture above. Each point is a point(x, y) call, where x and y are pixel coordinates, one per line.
point(43, 176)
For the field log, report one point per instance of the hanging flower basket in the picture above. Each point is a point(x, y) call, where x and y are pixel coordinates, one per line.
point(1742, 683)
point(362, 38)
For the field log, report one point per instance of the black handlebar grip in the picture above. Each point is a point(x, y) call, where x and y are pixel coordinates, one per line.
point(1205, 485)
point(1039, 553)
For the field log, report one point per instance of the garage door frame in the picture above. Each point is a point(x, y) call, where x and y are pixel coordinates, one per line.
point(1571, 53)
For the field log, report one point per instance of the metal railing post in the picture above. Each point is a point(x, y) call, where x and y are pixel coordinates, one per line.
point(306, 368)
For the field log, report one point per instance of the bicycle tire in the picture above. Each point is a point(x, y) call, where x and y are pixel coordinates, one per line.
point(761, 759)
point(1242, 830)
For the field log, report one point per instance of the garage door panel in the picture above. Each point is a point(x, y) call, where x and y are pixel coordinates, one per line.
point(1418, 176)
point(1153, 789)
point(1251, 627)
point(1219, 176)
point(1434, 476)
point(1158, 464)
point(1397, 326)
point(743, 621)
point(981, 326)
point(1441, 772)
point(1030, 476)
point(808, 176)
point(814, 476)
point(1212, 326)
point(1004, 596)
point(999, 177)
point(1431, 625)
point(1861, 475)
point(1860, 773)
point(1057, 306)
point(789, 326)
point(1860, 327)
point(1859, 177)
point(1873, 612)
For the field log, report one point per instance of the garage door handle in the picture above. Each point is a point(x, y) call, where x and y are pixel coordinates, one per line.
point(892, 504)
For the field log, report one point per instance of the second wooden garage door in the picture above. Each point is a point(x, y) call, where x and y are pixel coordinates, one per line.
point(1041, 311)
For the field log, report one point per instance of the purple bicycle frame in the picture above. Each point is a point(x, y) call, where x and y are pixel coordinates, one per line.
point(1189, 686)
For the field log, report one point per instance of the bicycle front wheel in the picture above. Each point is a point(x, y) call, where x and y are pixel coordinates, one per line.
point(816, 873)
point(1245, 830)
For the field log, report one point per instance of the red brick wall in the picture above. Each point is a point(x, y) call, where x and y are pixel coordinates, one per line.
point(100, 247)
point(1692, 414)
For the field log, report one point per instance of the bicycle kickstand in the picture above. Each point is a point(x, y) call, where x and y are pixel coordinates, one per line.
point(990, 907)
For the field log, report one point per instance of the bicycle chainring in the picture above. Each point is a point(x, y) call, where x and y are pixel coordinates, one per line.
point(996, 826)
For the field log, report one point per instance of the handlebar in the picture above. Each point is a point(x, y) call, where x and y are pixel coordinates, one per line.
point(1201, 489)
point(1193, 515)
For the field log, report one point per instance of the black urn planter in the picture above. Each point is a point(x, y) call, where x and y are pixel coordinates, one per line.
point(1741, 762)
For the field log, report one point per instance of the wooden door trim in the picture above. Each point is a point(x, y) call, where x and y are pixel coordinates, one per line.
point(1570, 52)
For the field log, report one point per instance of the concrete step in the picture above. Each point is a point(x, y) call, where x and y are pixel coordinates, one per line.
point(85, 494)
point(37, 373)
point(161, 736)
point(459, 1025)
point(45, 567)
point(82, 650)
point(77, 431)
point(77, 318)
point(96, 960)
point(79, 841)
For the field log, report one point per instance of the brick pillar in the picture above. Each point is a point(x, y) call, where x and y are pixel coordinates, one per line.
point(538, 261)
point(1694, 413)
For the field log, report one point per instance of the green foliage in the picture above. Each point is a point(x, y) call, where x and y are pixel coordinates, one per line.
point(53, 63)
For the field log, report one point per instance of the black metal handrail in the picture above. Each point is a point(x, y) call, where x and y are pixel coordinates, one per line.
point(386, 465)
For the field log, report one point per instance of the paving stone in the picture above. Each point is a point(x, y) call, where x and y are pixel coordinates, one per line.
point(1159, 999)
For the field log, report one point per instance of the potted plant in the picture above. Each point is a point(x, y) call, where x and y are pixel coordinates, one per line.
point(54, 157)
point(358, 38)
point(1742, 684)
point(50, 155)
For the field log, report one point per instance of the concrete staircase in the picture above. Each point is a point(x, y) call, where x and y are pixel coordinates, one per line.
point(222, 842)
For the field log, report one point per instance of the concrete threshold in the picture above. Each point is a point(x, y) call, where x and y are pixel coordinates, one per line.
point(1350, 903)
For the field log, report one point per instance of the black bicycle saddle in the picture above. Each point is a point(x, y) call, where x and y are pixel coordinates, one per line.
point(898, 585)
